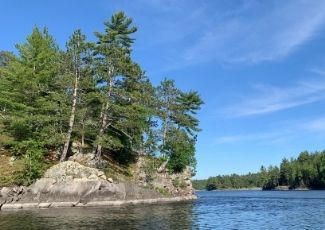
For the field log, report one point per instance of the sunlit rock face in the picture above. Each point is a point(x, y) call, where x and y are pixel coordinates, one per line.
point(73, 184)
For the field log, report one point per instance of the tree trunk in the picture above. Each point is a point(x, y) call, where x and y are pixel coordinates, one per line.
point(163, 166)
point(72, 118)
point(101, 131)
point(83, 136)
point(166, 123)
point(165, 132)
point(98, 150)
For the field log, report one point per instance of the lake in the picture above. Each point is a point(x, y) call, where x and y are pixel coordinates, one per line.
point(212, 210)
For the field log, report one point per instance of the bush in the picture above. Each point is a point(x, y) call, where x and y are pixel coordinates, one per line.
point(33, 160)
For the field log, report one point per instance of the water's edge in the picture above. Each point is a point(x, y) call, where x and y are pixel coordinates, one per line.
point(20, 206)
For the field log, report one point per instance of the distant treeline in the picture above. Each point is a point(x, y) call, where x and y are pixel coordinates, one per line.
point(306, 171)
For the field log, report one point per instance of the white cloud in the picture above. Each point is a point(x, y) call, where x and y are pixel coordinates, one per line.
point(259, 32)
point(179, 33)
point(280, 133)
point(267, 136)
point(268, 99)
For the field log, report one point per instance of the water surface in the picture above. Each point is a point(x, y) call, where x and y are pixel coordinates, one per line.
point(213, 210)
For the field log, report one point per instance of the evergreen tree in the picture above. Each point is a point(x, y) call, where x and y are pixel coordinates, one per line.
point(167, 95)
point(31, 97)
point(177, 112)
point(113, 57)
point(79, 60)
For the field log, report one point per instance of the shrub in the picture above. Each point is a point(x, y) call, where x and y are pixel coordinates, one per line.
point(33, 160)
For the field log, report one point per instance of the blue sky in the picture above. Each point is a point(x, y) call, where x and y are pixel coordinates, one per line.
point(258, 65)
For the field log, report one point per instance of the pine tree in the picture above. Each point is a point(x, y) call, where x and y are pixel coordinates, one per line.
point(167, 94)
point(188, 104)
point(113, 52)
point(31, 97)
point(177, 112)
point(77, 55)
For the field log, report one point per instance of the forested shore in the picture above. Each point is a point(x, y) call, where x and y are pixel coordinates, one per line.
point(92, 93)
point(307, 171)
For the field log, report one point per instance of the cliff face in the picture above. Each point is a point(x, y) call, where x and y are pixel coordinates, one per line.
point(80, 185)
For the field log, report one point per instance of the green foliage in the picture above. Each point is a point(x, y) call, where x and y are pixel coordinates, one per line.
point(11, 172)
point(177, 112)
point(270, 177)
point(199, 184)
point(93, 93)
point(233, 181)
point(29, 99)
point(180, 149)
point(33, 160)
point(150, 169)
point(307, 171)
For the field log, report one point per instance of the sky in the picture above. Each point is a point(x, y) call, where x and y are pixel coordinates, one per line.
point(258, 65)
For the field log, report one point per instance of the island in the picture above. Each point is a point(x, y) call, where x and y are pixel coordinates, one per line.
point(306, 172)
point(84, 126)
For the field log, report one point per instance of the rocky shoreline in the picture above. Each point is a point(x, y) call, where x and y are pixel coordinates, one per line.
point(17, 206)
point(70, 184)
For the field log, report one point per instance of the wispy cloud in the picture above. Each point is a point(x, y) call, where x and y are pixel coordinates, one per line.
point(266, 136)
point(268, 99)
point(259, 32)
point(280, 133)
point(190, 32)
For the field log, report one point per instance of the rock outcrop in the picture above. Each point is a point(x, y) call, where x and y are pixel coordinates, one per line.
point(12, 194)
point(175, 184)
point(71, 181)
point(72, 184)
point(178, 184)
point(69, 170)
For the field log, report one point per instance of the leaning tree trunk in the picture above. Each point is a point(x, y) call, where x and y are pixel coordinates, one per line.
point(83, 135)
point(72, 118)
point(104, 118)
point(163, 166)
point(166, 124)
point(101, 131)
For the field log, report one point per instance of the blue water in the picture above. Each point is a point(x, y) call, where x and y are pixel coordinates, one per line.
point(260, 210)
point(213, 210)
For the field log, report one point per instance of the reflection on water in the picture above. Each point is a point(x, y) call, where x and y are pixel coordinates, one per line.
point(213, 210)
point(176, 216)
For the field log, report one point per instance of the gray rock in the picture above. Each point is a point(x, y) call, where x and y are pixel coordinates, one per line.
point(69, 169)
point(44, 205)
point(88, 159)
point(11, 206)
point(71, 184)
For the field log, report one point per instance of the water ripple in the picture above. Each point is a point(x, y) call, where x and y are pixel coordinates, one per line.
point(213, 210)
